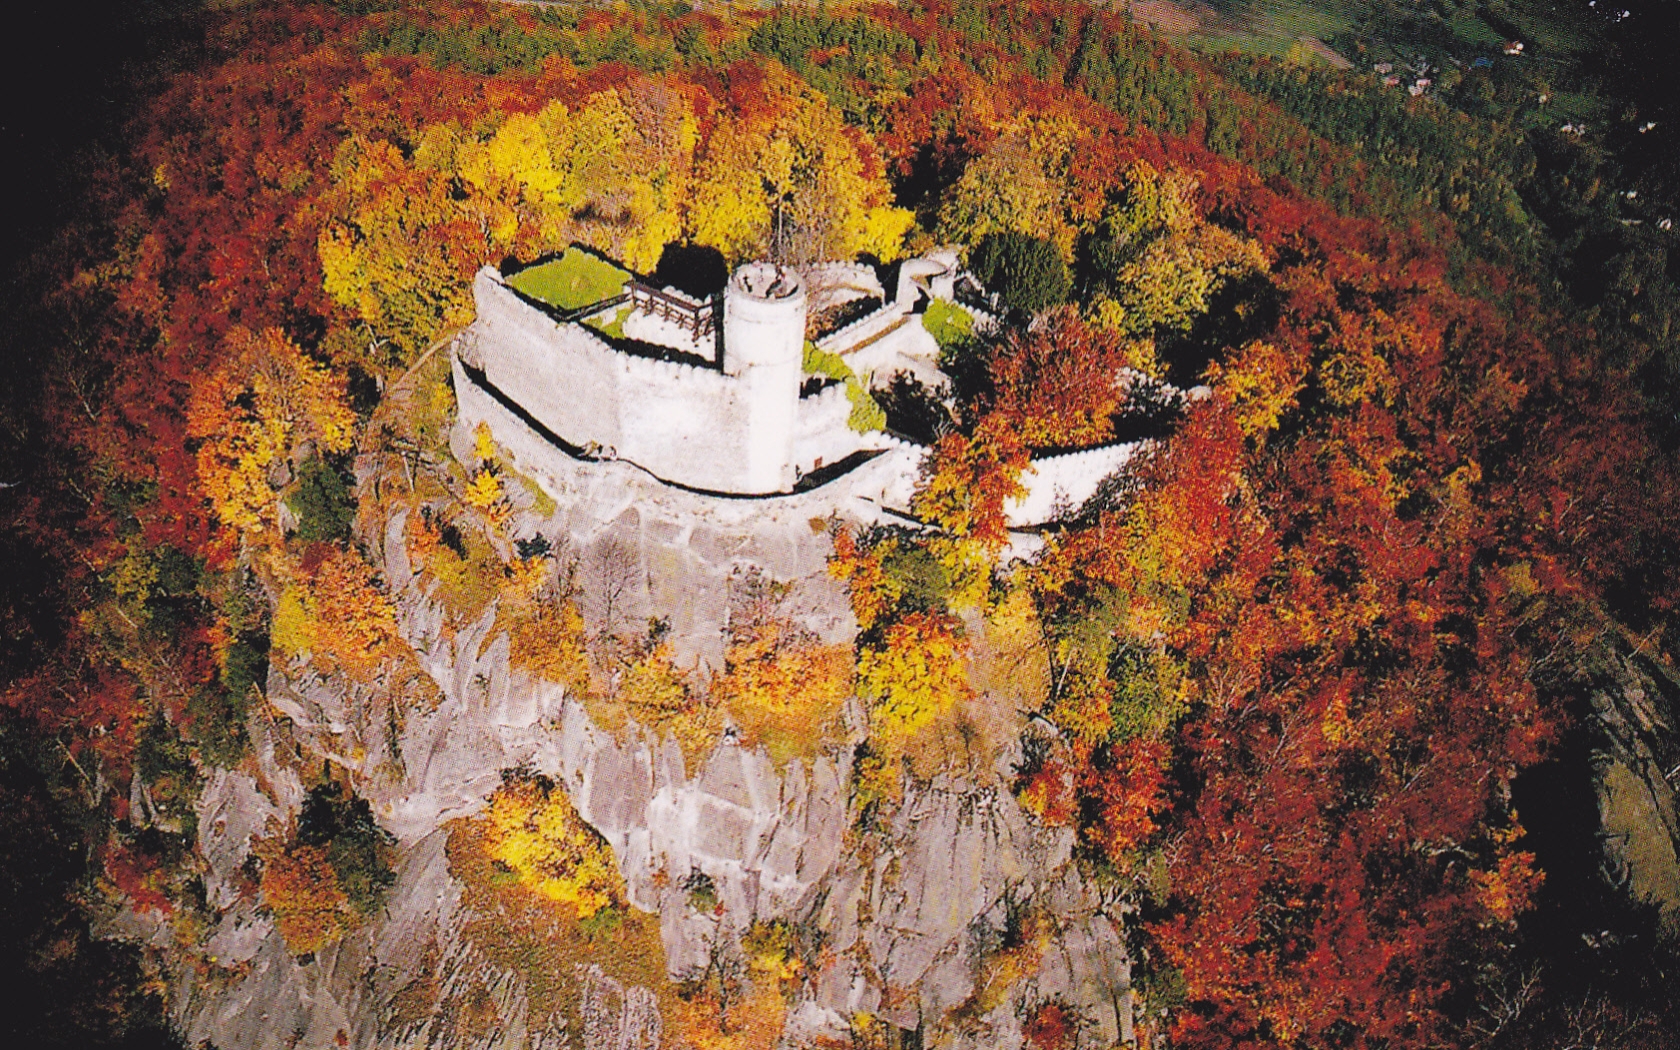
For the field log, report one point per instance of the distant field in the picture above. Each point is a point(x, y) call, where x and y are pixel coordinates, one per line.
point(574, 280)
point(1363, 32)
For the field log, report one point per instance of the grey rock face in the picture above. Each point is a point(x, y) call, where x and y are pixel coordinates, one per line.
point(1635, 705)
point(904, 923)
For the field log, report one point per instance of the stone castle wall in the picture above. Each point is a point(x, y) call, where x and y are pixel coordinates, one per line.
point(821, 434)
point(881, 486)
point(681, 422)
point(1058, 486)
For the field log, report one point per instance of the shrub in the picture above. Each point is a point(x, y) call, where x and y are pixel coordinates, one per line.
point(358, 849)
point(949, 324)
point(1026, 272)
point(216, 724)
point(867, 414)
point(324, 502)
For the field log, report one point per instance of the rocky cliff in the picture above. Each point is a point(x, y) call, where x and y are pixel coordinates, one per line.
point(912, 916)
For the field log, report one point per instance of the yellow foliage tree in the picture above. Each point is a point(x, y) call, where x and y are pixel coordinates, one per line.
point(264, 399)
point(916, 675)
point(404, 237)
point(1261, 382)
point(398, 251)
point(654, 691)
point(535, 832)
point(1019, 185)
point(553, 645)
point(792, 181)
point(613, 174)
point(1165, 261)
point(484, 491)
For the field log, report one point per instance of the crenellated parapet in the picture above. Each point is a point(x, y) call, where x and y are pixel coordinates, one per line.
point(726, 427)
point(728, 421)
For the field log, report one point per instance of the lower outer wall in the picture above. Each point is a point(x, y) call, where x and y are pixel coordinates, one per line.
point(677, 546)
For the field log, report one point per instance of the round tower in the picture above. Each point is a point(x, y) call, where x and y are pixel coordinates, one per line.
point(764, 345)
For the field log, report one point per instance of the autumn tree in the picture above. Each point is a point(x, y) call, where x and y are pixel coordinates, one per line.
point(548, 636)
point(1018, 189)
point(534, 831)
point(399, 253)
point(301, 889)
point(407, 233)
point(266, 398)
point(780, 682)
point(789, 180)
point(1154, 261)
point(661, 696)
point(915, 676)
point(329, 874)
point(334, 608)
point(1060, 383)
point(967, 483)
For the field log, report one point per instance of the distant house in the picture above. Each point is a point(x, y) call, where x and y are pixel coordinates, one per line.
point(1514, 47)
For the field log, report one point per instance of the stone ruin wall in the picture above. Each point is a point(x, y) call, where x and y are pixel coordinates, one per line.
point(821, 433)
point(1058, 486)
point(676, 420)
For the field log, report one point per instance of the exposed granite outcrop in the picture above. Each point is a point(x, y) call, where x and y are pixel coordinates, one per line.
point(904, 924)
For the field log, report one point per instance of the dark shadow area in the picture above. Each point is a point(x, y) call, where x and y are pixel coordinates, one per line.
point(67, 987)
point(826, 322)
point(886, 273)
point(652, 351)
point(692, 269)
point(920, 183)
point(914, 412)
point(828, 472)
point(1598, 950)
point(814, 385)
point(1242, 310)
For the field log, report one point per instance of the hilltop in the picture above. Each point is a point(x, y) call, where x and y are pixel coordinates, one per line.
point(379, 675)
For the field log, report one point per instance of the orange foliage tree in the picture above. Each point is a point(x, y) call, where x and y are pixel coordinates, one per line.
point(264, 400)
point(1059, 384)
point(301, 889)
point(333, 607)
point(781, 683)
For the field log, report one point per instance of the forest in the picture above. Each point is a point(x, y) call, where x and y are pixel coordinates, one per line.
point(1314, 694)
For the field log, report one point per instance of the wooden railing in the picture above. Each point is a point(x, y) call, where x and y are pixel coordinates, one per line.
point(699, 318)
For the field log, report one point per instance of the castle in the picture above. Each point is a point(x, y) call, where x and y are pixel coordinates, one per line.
point(719, 410)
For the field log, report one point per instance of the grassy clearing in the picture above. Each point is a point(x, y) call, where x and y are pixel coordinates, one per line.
point(613, 326)
point(574, 280)
point(1366, 32)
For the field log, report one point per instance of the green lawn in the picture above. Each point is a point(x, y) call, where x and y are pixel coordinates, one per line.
point(574, 280)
